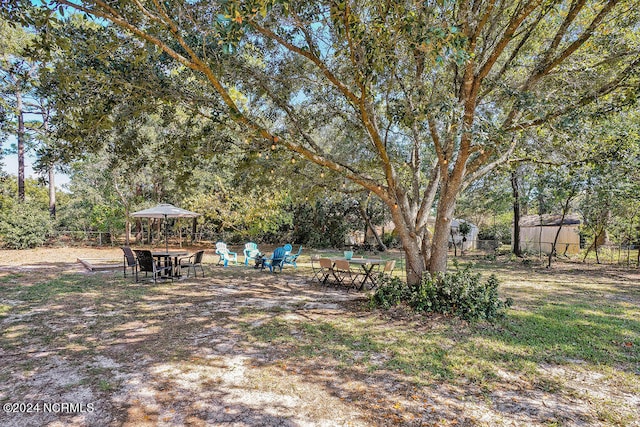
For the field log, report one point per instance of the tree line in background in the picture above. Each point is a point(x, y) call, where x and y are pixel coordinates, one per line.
point(94, 202)
point(319, 118)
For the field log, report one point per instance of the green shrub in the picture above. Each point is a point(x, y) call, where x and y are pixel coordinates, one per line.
point(424, 298)
point(491, 257)
point(24, 226)
point(324, 224)
point(460, 293)
point(391, 240)
point(390, 293)
point(500, 232)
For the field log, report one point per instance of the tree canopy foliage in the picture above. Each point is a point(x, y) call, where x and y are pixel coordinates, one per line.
point(409, 101)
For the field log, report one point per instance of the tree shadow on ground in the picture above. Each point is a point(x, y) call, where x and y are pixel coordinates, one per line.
point(243, 347)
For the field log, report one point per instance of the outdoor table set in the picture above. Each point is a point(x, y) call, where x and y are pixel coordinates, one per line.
point(339, 268)
point(169, 260)
point(161, 264)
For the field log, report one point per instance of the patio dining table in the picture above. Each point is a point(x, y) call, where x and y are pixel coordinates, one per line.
point(367, 265)
point(170, 259)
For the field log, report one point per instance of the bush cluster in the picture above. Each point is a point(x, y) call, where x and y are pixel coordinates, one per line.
point(24, 226)
point(324, 224)
point(500, 232)
point(391, 240)
point(460, 293)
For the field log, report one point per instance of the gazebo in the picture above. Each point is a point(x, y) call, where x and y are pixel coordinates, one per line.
point(164, 211)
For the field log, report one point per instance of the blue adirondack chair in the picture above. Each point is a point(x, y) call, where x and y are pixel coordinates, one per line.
point(292, 258)
point(276, 259)
point(250, 252)
point(225, 255)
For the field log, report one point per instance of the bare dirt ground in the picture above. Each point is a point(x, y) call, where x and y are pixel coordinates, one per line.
point(94, 349)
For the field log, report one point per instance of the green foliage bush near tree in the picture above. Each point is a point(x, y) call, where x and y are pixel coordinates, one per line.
point(236, 216)
point(391, 240)
point(500, 231)
point(24, 225)
point(325, 224)
point(460, 293)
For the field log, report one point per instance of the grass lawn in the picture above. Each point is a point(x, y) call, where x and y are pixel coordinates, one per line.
point(245, 347)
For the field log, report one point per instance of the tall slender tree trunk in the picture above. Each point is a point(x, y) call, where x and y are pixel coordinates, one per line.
point(139, 231)
point(552, 252)
point(453, 240)
point(589, 249)
point(369, 225)
point(52, 192)
point(21, 141)
point(517, 250)
point(50, 169)
point(599, 236)
point(565, 210)
point(127, 226)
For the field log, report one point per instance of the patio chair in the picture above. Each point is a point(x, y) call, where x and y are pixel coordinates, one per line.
point(251, 252)
point(147, 264)
point(316, 268)
point(343, 274)
point(388, 267)
point(287, 249)
point(129, 261)
point(225, 255)
point(326, 270)
point(191, 262)
point(386, 272)
point(276, 260)
point(292, 258)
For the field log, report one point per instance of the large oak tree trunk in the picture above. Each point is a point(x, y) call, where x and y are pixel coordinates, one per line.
point(415, 266)
point(440, 241)
point(444, 216)
point(411, 241)
point(423, 254)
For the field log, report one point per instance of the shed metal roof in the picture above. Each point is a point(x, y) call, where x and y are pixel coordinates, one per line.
point(548, 220)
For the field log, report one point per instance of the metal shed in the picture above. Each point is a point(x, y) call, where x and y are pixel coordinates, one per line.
point(537, 233)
